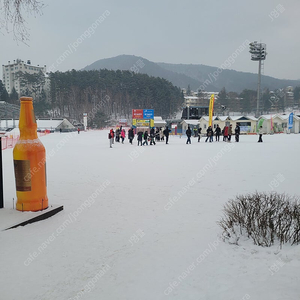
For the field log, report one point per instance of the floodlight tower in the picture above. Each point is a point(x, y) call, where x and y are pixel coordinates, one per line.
point(258, 53)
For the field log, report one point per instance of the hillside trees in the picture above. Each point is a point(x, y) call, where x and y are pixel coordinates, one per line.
point(111, 93)
point(248, 101)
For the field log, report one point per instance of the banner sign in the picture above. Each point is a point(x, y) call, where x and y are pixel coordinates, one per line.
point(260, 122)
point(143, 114)
point(151, 123)
point(291, 119)
point(137, 114)
point(142, 123)
point(148, 114)
point(211, 109)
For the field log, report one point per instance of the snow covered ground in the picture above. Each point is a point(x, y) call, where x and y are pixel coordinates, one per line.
point(140, 223)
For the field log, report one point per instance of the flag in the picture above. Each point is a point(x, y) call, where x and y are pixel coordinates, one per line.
point(271, 123)
point(291, 117)
point(260, 122)
point(211, 109)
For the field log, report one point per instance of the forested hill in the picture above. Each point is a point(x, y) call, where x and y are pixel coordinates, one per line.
point(230, 79)
point(104, 93)
point(183, 75)
point(141, 65)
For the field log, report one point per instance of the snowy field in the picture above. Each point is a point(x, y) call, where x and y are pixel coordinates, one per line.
point(140, 223)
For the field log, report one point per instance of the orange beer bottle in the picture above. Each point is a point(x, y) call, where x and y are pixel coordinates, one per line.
point(29, 162)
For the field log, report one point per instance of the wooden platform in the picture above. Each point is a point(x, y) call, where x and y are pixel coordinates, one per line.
point(11, 218)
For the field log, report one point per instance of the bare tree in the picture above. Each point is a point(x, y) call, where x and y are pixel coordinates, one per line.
point(12, 16)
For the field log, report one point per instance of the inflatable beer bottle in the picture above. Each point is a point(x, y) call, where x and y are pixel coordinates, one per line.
point(29, 162)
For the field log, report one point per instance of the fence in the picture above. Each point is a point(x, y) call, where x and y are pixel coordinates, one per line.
point(10, 141)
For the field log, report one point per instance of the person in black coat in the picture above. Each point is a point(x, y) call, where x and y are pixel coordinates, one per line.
point(145, 138)
point(210, 134)
point(152, 136)
point(188, 134)
point(140, 138)
point(130, 135)
point(166, 134)
point(237, 131)
point(218, 133)
point(199, 134)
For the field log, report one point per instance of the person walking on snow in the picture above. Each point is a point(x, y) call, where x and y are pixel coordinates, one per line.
point(140, 138)
point(145, 138)
point(188, 134)
point(130, 135)
point(218, 133)
point(260, 132)
point(123, 135)
point(199, 134)
point(152, 136)
point(225, 133)
point(111, 138)
point(195, 132)
point(229, 133)
point(166, 133)
point(209, 134)
point(237, 133)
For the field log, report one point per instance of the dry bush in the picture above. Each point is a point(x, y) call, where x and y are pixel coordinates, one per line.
point(262, 217)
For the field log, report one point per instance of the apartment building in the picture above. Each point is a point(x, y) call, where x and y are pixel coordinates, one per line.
point(9, 71)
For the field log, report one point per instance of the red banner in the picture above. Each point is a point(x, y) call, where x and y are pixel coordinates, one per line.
point(137, 114)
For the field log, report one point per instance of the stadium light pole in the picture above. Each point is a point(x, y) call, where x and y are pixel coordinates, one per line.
point(258, 53)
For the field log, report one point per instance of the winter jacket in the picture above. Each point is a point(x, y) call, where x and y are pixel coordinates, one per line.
point(226, 131)
point(209, 131)
point(237, 130)
point(130, 134)
point(140, 136)
point(218, 131)
point(188, 132)
point(229, 130)
point(260, 131)
point(167, 131)
point(123, 133)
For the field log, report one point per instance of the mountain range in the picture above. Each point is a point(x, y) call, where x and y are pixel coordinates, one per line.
point(196, 76)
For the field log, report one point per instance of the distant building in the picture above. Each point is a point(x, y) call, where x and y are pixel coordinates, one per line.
point(159, 122)
point(247, 123)
point(9, 71)
point(43, 124)
point(192, 123)
point(197, 106)
point(279, 123)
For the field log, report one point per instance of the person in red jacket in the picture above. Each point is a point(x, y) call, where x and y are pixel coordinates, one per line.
point(225, 133)
point(111, 137)
point(123, 135)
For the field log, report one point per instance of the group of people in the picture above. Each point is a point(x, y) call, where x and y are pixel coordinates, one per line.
point(118, 135)
point(227, 132)
point(143, 137)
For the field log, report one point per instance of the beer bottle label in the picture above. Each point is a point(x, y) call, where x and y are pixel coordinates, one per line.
point(22, 175)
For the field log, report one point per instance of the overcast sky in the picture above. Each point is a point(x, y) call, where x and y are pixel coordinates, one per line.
point(189, 32)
